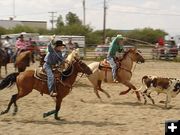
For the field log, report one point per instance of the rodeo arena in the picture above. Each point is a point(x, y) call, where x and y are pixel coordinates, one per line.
point(94, 103)
point(60, 85)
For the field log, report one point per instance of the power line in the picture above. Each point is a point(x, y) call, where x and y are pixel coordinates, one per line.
point(140, 7)
point(146, 8)
point(136, 12)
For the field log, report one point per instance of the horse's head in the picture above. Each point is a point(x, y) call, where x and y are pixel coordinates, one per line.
point(82, 67)
point(73, 55)
point(76, 53)
point(135, 55)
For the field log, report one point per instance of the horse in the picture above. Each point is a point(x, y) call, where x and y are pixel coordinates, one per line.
point(26, 82)
point(4, 60)
point(124, 73)
point(23, 60)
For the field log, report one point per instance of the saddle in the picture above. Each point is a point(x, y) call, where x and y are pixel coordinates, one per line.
point(41, 74)
point(104, 65)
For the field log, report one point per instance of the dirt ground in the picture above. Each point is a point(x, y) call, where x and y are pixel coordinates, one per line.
point(83, 114)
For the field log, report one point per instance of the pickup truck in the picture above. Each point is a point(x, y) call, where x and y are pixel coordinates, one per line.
point(168, 51)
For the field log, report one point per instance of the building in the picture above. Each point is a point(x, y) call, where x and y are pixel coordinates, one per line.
point(8, 24)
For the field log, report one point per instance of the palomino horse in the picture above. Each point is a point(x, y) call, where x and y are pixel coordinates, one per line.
point(26, 82)
point(23, 60)
point(4, 60)
point(71, 57)
point(124, 73)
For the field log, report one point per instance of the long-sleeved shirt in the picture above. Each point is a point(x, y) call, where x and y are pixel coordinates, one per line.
point(114, 47)
point(20, 44)
point(54, 57)
point(7, 44)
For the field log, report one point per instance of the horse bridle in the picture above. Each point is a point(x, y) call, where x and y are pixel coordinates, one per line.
point(82, 69)
point(71, 66)
point(137, 61)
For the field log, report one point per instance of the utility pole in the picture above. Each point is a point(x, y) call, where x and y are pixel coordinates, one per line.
point(14, 9)
point(104, 23)
point(52, 19)
point(84, 22)
point(84, 13)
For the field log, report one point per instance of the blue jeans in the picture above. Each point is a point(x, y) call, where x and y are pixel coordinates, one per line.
point(50, 76)
point(113, 66)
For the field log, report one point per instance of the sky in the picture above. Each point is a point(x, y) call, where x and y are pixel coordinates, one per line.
point(121, 14)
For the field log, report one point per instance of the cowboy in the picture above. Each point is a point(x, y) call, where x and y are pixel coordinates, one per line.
point(53, 57)
point(115, 46)
point(7, 45)
point(20, 46)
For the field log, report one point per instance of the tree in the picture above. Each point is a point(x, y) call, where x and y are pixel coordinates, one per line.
point(147, 34)
point(21, 28)
point(72, 18)
point(2, 31)
point(60, 22)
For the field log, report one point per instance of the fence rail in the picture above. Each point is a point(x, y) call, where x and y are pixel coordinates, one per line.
point(146, 53)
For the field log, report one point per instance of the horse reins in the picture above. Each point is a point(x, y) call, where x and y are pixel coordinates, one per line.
point(79, 77)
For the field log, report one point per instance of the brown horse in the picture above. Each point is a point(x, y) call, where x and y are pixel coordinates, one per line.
point(26, 82)
point(4, 60)
point(124, 73)
point(23, 60)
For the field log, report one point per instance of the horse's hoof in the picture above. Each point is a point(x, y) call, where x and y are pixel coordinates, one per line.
point(57, 118)
point(168, 107)
point(162, 102)
point(3, 112)
point(122, 93)
point(44, 115)
point(14, 113)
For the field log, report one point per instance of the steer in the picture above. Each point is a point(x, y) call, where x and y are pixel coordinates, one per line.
point(168, 86)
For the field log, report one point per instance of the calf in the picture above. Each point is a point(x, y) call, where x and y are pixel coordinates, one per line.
point(168, 86)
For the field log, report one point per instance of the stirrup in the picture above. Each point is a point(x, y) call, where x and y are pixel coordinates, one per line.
point(115, 81)
point(53, 94)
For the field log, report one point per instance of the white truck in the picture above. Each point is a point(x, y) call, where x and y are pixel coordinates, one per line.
point(79, 40)
point(175, 38)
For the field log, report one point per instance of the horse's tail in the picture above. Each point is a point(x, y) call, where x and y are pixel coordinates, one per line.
point(9, 80)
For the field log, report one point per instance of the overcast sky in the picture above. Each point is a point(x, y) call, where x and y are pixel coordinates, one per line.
point(121, 14)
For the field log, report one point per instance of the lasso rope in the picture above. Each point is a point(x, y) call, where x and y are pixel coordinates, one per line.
point(140, 41)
